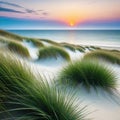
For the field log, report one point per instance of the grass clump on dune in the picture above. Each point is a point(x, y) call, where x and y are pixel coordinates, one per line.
point(26, 97)
point(10, 35)
point(68, 46)
point(105, 55)
point(50, 42)
point(94, 47)
point(73, 47)
point(88, 73)
point(53, 51)
point(80, 48)
point(18, 48)
point(12, 73)
point(2, 40)
point(116, 52)
point(36, 42)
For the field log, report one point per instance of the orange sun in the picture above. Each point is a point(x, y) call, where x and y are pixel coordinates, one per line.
point(71, 23)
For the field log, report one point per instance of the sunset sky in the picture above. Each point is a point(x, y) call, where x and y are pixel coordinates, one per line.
point(50, 14)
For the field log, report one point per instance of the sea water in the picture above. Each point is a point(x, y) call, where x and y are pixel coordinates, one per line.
point(105, 38)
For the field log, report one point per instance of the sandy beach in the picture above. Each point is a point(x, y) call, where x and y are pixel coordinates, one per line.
point(101, 104)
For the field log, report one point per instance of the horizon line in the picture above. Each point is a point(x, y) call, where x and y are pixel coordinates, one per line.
point(66, 29)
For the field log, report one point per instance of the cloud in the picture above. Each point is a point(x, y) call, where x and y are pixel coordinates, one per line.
point(26, 10)
point(2, 9)
point(45, 13)
point(11, 4)
point(30, 11)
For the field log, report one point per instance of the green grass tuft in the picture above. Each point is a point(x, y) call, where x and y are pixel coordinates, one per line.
point(36, 42)
point(110, 56)
point(16, 47)
point(50, 42)
point(26, 97)
point(10, 35)
point(53, 51)
point(68, 46)
point(3, 40)
point(88, 73)
point(95, 48)
point(73, 47)
point(80, 48)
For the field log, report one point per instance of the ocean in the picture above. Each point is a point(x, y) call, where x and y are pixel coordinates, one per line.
point(105, 38)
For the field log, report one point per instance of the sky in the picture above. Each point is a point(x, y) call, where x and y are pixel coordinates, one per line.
point(59, 14)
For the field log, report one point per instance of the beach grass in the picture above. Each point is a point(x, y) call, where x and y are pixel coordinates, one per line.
point(68, 46)
point(50, 42)
point(10, 35)
point(95, 47)
point(3, 40)
point(18, 48)
point(117, 52)
point(73, 47)
point(53, 51)
point(88, 73)
point(26, 97)
point(35, 41)
point(16, 38)
point(108, 55)
point(80, 48)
